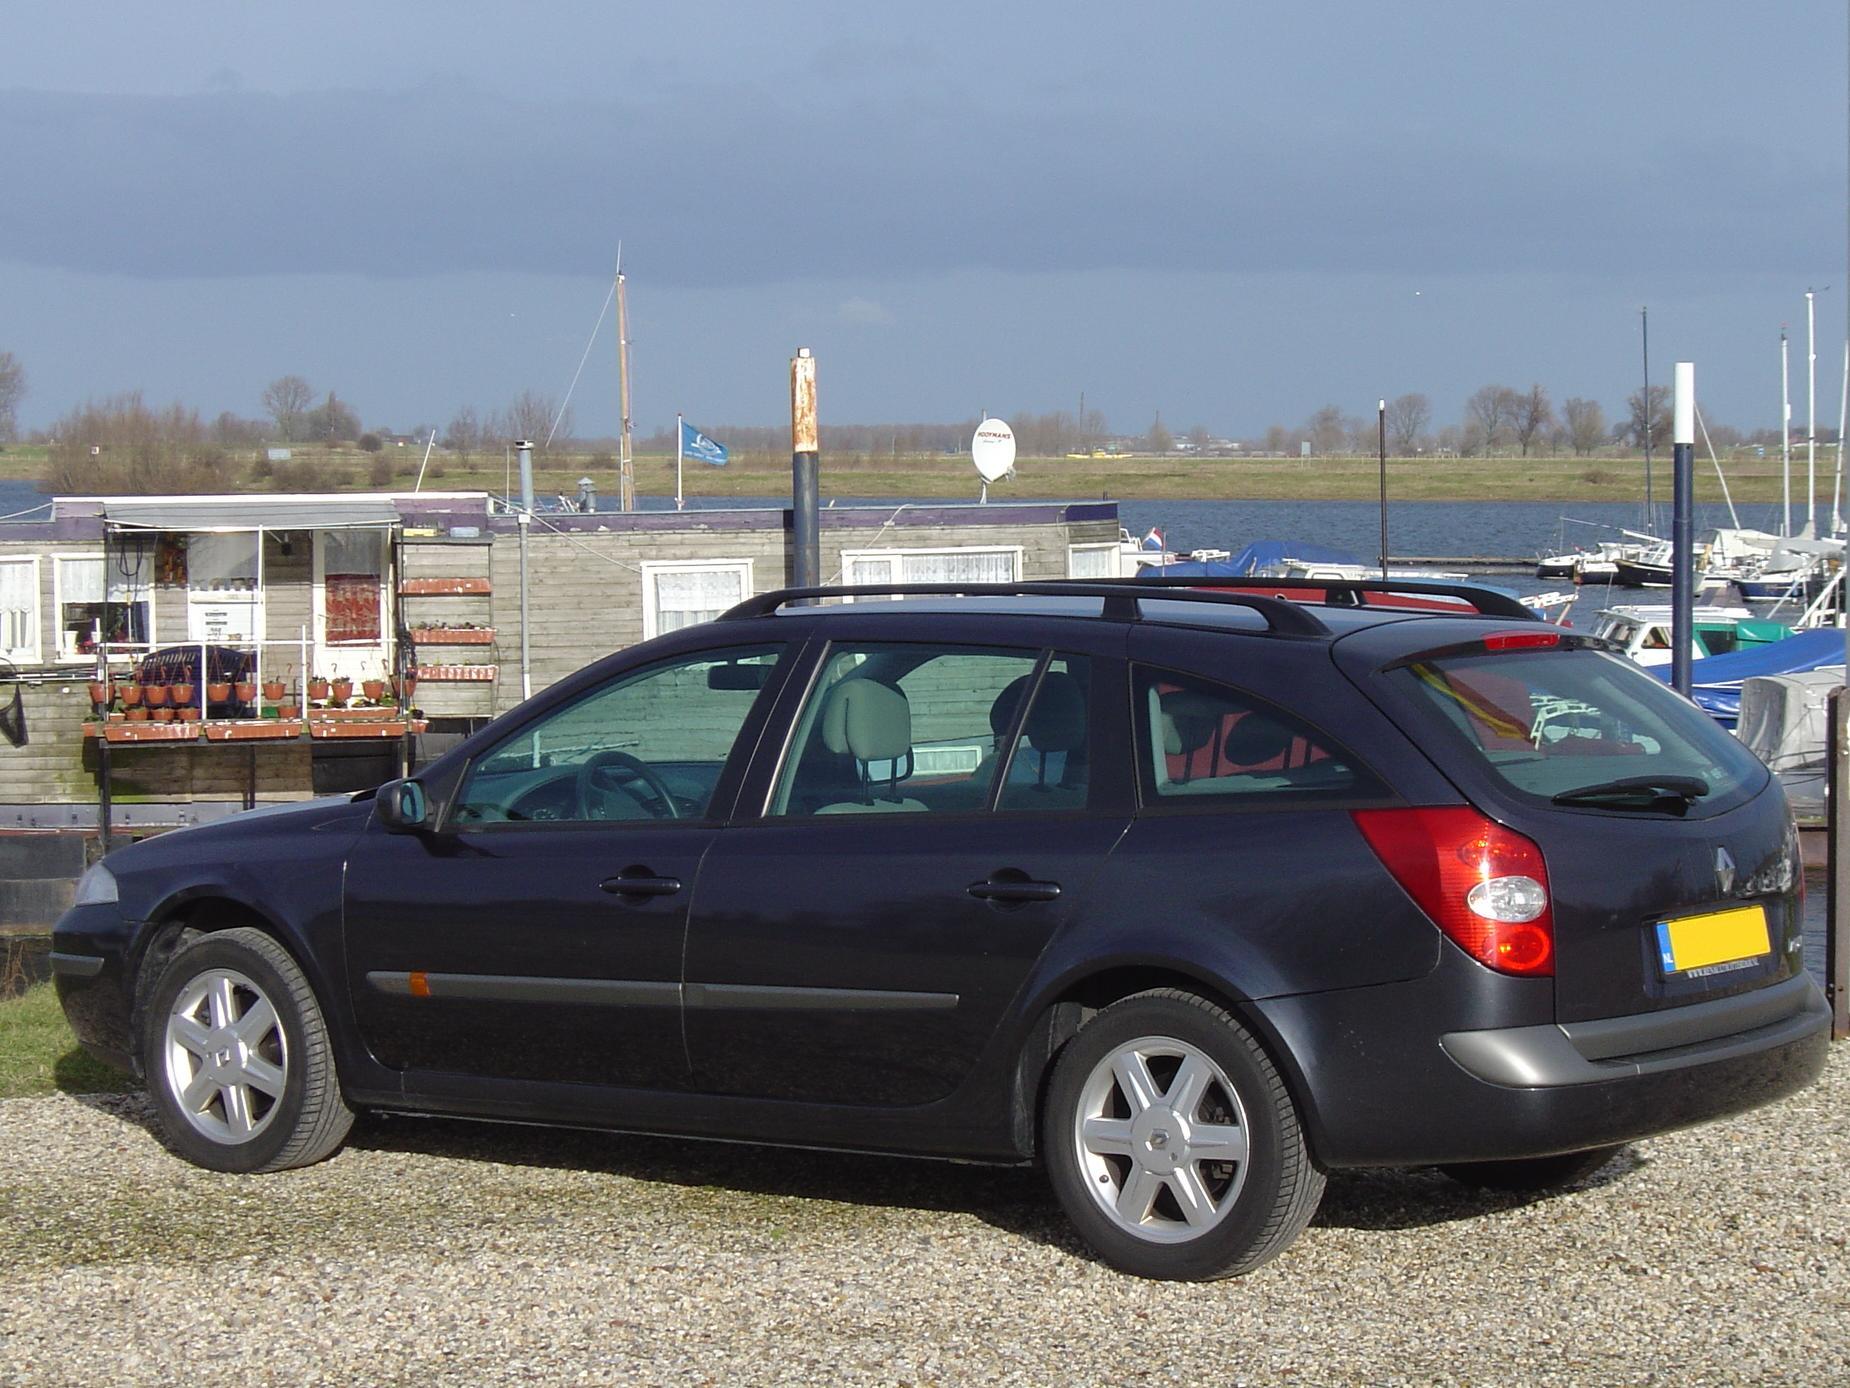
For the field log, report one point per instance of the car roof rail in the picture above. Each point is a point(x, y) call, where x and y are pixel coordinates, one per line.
point(1487, 601)
point(1121, 598)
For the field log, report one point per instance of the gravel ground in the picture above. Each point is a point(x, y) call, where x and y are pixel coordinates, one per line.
point(428, 1253)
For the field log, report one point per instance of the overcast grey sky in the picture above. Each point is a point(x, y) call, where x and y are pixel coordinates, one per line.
point(1234, 213)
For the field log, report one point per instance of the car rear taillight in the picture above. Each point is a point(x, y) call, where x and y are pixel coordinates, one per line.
point(1484, 885)
point(1521, 640)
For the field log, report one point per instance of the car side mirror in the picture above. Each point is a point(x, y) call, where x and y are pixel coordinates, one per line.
point(402, 807)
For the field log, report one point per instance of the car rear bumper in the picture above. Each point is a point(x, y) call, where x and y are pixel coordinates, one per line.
point(1502, 1093)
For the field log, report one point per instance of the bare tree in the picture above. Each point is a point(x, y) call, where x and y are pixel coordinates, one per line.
point(1490, 411)
point(1407, 419)
point(12, 391)
point(531, 416)
point(464, 436)
point(1158, 439)
point(1586, 424)
point(285, 400)
point(1327, 431)
point(330, 421)
point(1531, 413)
point(1659, 411)
point(121, 445)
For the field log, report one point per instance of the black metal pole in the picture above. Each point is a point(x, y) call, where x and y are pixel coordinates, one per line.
point(805, 515)
point(1837, 880)
point(102, 785)
point(1381, 445)
point(1682, 529)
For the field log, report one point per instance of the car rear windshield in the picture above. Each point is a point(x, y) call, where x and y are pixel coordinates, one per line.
point(1584, 729)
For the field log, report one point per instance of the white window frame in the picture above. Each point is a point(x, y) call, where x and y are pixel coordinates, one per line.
point(1109, 548)
point(123, 653)
point(28, 654)
point(899, 554)
point(653, 569)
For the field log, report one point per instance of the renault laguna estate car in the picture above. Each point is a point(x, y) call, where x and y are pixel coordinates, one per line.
point(1190, 896)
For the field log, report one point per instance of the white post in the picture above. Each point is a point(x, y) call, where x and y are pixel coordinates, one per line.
point(1785, 435)
point(679, 500)
point(1843, 418)
point(1811, 413)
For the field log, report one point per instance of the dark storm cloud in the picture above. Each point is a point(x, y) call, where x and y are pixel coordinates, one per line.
point(731, 186)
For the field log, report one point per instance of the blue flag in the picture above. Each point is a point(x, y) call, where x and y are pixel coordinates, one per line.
point(695, 444)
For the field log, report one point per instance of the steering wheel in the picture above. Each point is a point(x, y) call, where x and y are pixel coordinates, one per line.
point(603, 772)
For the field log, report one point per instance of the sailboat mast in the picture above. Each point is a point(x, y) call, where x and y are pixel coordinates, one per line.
point(1650, 506)
point(626, 463)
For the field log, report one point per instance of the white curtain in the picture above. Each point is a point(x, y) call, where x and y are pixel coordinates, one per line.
point(966, 566)
point(1093, 561)
point(80, 580)
point(19, 608)
point(684, 597)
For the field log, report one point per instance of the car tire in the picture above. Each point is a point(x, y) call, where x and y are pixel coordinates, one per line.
point(1531, 1173)
point(1173, 1143)
point(237, 1057)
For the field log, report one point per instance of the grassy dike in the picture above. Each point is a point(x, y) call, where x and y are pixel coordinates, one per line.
point(936, 475)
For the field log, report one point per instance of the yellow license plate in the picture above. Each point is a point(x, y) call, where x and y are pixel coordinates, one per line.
point(1714, 942)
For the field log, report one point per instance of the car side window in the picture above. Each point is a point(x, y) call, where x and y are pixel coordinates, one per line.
point(648, 746)
point(901, 728)
point(1050, 764)
point(1205, 742)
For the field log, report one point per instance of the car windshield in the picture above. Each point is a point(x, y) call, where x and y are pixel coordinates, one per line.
point(1583, 728)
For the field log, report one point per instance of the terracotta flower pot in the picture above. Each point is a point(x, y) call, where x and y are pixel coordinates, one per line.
point(131, 695)
point(287, 712)
point(154, 695)
point(273, 690)
point(373, 689)
point(342, 691)
point(317, 687)
point(102, 693)
point(161, 715)
point(183, 694)
point(247, 691)
point(218, 692)
point(137, 714)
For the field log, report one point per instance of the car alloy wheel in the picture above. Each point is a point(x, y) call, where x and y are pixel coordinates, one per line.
point(226, 1058)
point(1161, 1135)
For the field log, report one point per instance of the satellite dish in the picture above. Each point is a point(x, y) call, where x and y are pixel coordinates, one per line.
point(992, 449)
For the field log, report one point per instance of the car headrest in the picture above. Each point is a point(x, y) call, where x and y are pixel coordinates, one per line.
point(1057, 719)
point(1255, 739)
point(868, 720)
point(1189, 720)
point(1008, 702)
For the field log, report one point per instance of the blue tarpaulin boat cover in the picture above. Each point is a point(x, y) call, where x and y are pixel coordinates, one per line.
point(1715, 683)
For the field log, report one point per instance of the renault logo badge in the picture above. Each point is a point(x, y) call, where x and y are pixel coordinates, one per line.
point(1724, 871)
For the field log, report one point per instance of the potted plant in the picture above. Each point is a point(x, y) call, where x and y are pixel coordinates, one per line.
point(287, 712)
point(342, 689)
point(317, 688)
point(274, 689)
point(246, 690)
point(163, 714)
point(181, 693)
point(373, 689)
point(154, 695)
point(218, 692)
point(137, 712)
point(131, 697)
point(102, 694)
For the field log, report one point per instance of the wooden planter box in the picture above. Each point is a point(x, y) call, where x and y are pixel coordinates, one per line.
point(444, 587)
point(355, 727)
point(254, 730)
point(458, 674)
point(151, 732)
point(370, 714)
point(453, 636)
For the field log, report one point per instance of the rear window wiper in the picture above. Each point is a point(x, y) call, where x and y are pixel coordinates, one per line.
point(1669, 794)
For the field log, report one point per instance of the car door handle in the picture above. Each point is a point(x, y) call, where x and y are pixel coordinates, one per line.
point(1018, 890)
point(639, 885)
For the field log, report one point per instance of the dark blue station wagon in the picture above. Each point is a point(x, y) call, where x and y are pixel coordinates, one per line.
point(1189, 896)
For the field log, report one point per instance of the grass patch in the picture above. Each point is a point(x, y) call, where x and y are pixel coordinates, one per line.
point(38, 1054)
